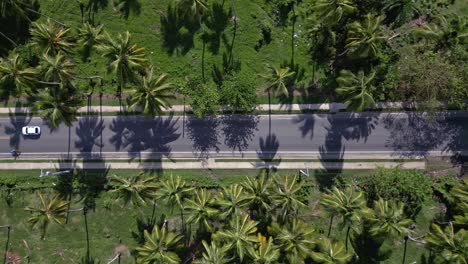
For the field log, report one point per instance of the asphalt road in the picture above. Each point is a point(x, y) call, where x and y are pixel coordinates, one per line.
point(330, 135)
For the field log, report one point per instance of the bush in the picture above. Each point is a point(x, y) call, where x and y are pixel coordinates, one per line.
point(411, 187)
point(238, 93)
point(205, 97)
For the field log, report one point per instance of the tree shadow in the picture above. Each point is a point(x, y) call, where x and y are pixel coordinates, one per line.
point(307, 126)
point(89, 132)
point(125, 7)
point(141, 134)
point(91, 180)
point(341, 126)
point(177, 36)
point(216, 23)
point(20, 118)
point(227, 67)
point(64, 184)
point(93, 6)
point(368, 249)
point(239, 130)
point(417, 134)
point(203, 132)
point(457, 133)
point(269, 147)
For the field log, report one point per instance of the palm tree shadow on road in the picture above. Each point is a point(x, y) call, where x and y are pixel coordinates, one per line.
point(239, 131)
point(203, 132)
point(89, 132)
point(21, 117)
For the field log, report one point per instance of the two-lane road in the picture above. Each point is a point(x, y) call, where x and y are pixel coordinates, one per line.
point(396, 133)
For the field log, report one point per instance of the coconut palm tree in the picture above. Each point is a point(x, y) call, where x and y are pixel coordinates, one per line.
point(399, 12)
point(449, 246)
point(58, 70)
point(151, 96)
point(160, 247)
point(51, 38)
point(213, 254)
point(333, 10)
point(174, 192)
point(277, 80)
point(286, 197)
point(445, 33)
point(356, 89)
point(265, 252)
point(16, 78)
point(295, 239)
point(15, 8)
point(388, 220)
point(53, 210)
point(200, 210)
point(239, 237)
point(57, 107)
point(136, 190)
point(330, 252)
point(89, 37)
point(460, 193)
point(232, 200)
point(365, 37)
point(348, 205)
point(125, 59)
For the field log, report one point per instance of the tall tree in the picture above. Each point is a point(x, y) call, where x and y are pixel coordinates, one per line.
point(332, 11)
point(135, 190)
point(445, 33)
point(365, 37)
point(356, 89)
point(160, 246)
point(50, 210)
point(51, 38)
point(151, 96)
point(276, 80)
point(57, 107)
point(16, 78)
point(348, 205)
point(124, 58)
point(331, 252)
point(89, 37)
point(59, 70)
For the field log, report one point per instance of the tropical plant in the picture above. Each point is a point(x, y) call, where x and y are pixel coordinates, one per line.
point(333, 10)
point(16, 78)
point(200, 209)
point(399, 12)
point(51, 38)
point(330, 252)
point(348, 205)
point(15, 8)
point(57, 107)
point(135, 190)
point(160, 246)
point(286, 197)
point(58, 70)
point(151, 96)
point(356, 89)
point(460, 194)
point(89, 37)
point(213, 254)
point(365, 37)
point(124, 58)
point(295, 239)
point(277, 80)
point(388, 219)
point(239, 237)
point(449, 246)
point(265, 252)
point(259, 195)
point(50, 210)
point(127, 6)
point(445, 33)
point(232, 201)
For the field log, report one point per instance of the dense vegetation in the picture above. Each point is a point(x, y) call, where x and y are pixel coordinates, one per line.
point(90, 217)
point(218, 52)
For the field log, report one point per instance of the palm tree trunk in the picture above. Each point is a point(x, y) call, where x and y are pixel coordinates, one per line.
point(292, 35)
point(69, 142)
point(269, 113)
point(7, 243)
point(330, 226)
point(234, 16)
point(404, 251)
point(203, 50)
point(85, 212)
point(347, 237)
point(68, 210)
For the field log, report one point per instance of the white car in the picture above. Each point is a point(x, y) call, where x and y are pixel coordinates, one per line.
point(31, 131)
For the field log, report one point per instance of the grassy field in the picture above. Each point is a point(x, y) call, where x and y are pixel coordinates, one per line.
point(183, 58)
point(111, 225)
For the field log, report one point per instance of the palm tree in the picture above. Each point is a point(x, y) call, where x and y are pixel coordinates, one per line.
point(239, 237)
point(348, 205)
point(331, 252)
point(357, 89)
point(53, 210)
point(58, 70)
point(277, 80)
point(295, 238)
point(213, 254)
point(333, 10)
point(135, 190)
point(388, 220)
point(266, 252)
point(151, 96)
point(448, 245)
point(399, 12)
point(14, 8)
point(232, 200)
point(364, 37)
point(259, 195)
point(201, 210)
point(57, 107)
point(124, 58)
point(89, 37)
point(174, 192)
point(286, 197)
point(50, 38)
point(16, 77)
point(460, 193)
point(445, 33)
point(160, 247)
